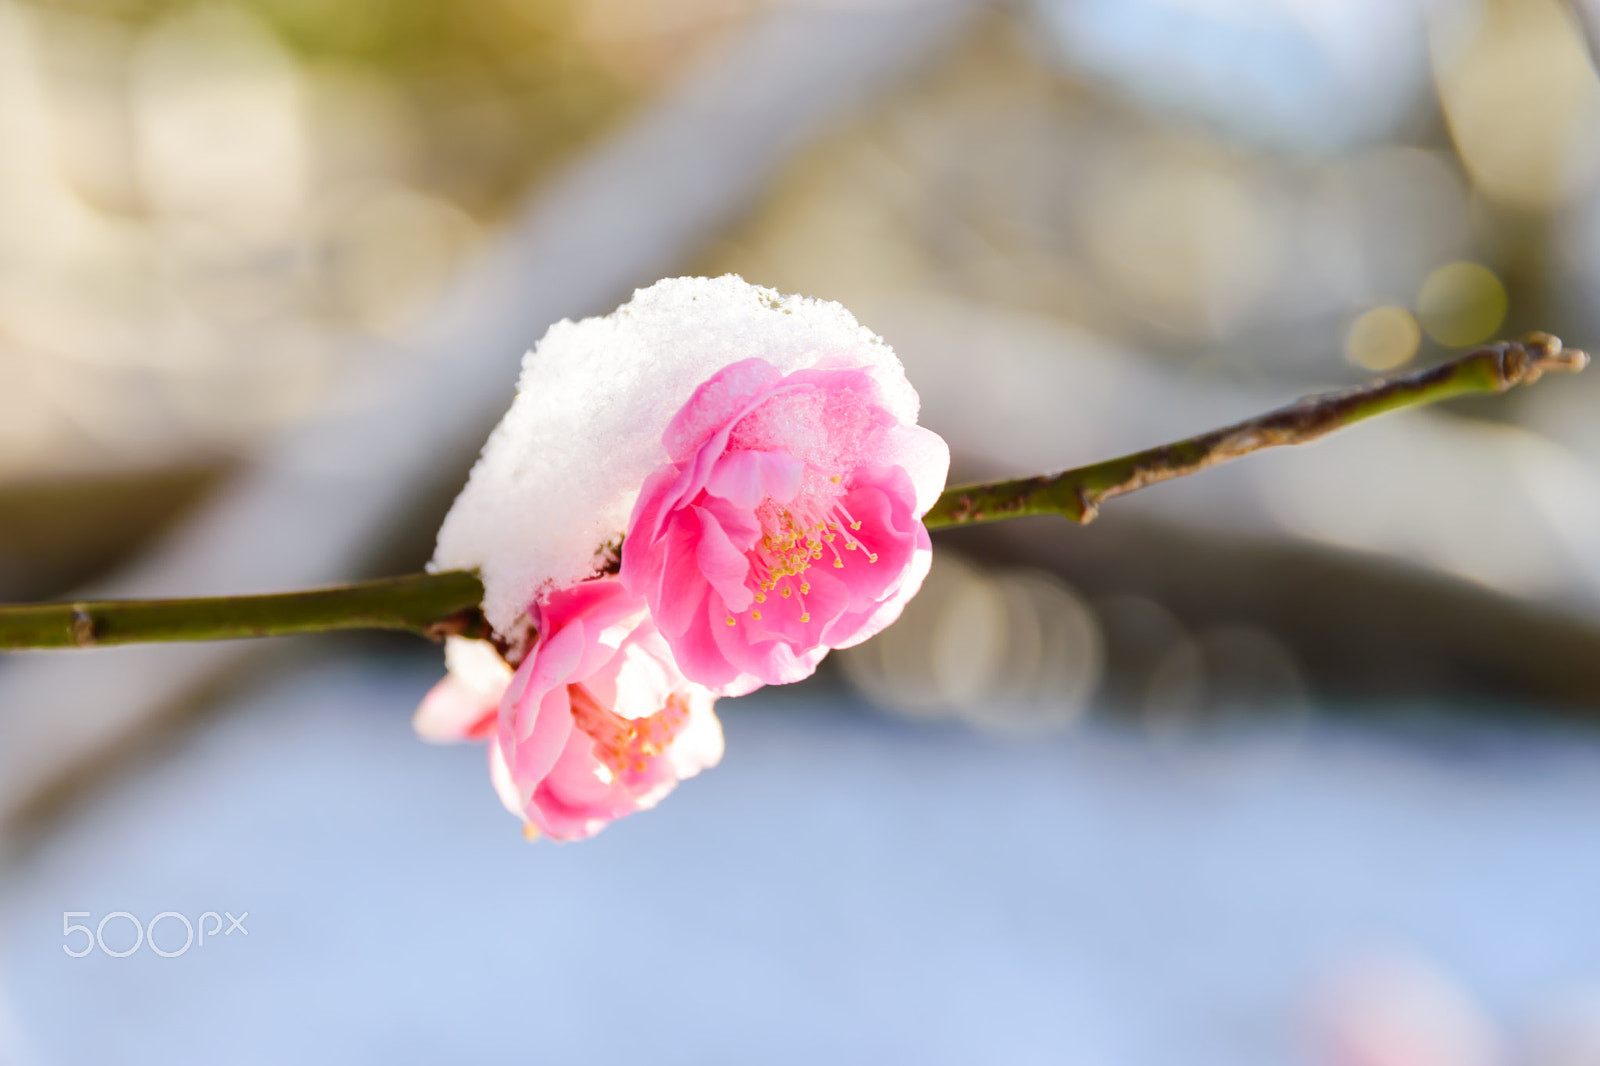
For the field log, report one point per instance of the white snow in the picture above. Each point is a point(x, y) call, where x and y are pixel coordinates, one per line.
point(559, 476)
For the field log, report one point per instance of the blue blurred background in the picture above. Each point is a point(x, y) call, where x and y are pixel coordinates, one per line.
point(1291, 763)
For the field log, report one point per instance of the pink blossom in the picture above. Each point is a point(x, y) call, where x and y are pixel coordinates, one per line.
point(787, 522)
point(596, 722)
point(463, 705)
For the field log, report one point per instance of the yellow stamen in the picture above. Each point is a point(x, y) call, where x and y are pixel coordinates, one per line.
point(731, 622)
point(806, 617)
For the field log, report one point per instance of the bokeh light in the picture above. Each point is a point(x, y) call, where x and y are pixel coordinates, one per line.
point(1521, 98)
point(1461, 304)
point(1382, 338)
point(1013, 650)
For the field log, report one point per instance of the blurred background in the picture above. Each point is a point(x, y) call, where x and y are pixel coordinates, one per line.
point(1290, 763)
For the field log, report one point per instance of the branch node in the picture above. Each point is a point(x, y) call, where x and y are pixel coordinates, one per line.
point(1525, 361)
point(1088, 509)
point(83, 627)
point(468, 622)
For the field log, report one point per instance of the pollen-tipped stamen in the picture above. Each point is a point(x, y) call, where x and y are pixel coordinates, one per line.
point(794, 537)
point(624, 744)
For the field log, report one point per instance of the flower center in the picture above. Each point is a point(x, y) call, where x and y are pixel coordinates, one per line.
point(793, 537)
point(624, 744)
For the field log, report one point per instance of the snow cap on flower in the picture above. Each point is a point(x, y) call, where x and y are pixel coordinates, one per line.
point(560, 475)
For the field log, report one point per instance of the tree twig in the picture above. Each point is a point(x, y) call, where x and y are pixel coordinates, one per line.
point(432, 605)
point(1078, 493)
point(439, 605)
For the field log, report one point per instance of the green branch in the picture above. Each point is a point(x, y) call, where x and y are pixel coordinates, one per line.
point(432, 605)
point(438, 605)
point(1077, 493)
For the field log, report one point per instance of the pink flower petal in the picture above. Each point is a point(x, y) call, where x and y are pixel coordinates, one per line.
point(746, 478)
point(531, 757)
point(453, 711)
point(559, 654)
point(717, 403)
point(650, 511)
point(881, 502)
point(722, 564)
point(698, 655)
point(772, 661)
point(681, 588)
point(739, 523)
point(853, 627)
point(925, 458)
